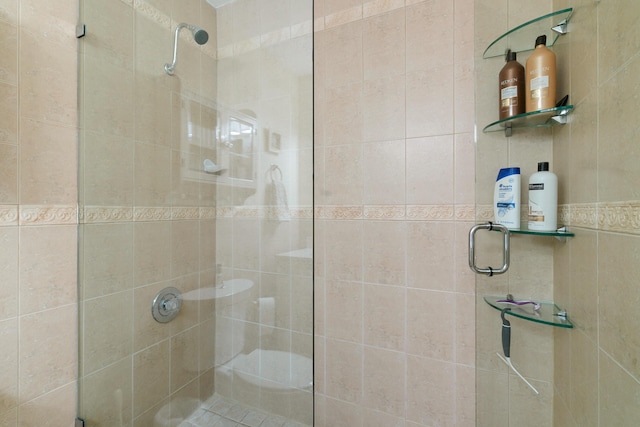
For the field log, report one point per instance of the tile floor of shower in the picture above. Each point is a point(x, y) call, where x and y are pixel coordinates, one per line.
point(218, 411)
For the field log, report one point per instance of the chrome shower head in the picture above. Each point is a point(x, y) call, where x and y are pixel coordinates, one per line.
point(199, 35)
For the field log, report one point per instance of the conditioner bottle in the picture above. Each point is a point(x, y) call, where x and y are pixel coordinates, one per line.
point(541, 77)
point(543, 199)
point(512, 94)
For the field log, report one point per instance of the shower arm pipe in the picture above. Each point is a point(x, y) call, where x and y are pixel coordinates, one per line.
point(170, 68)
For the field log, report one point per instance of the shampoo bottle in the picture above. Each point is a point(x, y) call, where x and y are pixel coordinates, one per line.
point(541, 77)
point(506, 198)
point(512, 93)
point(543, 199)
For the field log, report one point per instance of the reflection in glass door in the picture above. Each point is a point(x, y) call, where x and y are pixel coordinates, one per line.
point(196, 223)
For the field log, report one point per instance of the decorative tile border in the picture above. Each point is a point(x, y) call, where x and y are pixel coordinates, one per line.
point(152, 13)
point(98, 214)
point(48, 215)
point(302, 213)
point(564, 214)
point(580, 215)
point(224, 212)
point(483, 213)
point(265, 40)
point(465, 213)
point(431, 212)
point(368, 9)
point(377, 7)
point(249, 212)
point(208, 213)
point(622, 217)
point(160, 17)
point(301, 29)
point(318, 24)
point(398, 212)
point(275, 37)
point(181, 213)
point(8, 215)
point(268, 212)
point(102, 214)
point(385, 212)
point(151, 214)
point(339, 212)
point(148, 10)
point(343, 17)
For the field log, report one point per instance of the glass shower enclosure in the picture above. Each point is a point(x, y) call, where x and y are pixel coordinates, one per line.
point(196, 213)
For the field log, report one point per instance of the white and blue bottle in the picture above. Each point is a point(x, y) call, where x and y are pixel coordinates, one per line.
point(506, 198)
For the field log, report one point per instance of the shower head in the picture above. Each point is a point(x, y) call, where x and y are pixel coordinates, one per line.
point(199, 35)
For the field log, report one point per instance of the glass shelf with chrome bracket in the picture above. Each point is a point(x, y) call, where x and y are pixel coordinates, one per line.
point(548, 312)
point(534, 119)
point(522, 37)
point(561, 233)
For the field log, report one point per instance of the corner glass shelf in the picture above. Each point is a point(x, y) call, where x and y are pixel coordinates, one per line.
point(534, 119)
point(522, 38)
point(547, 314)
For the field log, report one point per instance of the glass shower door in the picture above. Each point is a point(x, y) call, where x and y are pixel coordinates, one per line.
point(263, 340)
point(195, 260)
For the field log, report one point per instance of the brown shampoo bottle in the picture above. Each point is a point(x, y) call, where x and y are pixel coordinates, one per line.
point(512, 87)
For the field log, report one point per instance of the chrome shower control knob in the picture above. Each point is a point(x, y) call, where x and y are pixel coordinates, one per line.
point(166, 305)
point(169, 305)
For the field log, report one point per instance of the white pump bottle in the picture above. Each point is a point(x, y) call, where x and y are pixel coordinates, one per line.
point(543, 199)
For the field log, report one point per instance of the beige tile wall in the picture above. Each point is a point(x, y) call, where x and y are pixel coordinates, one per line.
point(597, 380)
point(38, 145)
point(394, 178)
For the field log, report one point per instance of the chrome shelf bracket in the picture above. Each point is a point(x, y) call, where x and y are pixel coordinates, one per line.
point(561, 117)
point(561, 28)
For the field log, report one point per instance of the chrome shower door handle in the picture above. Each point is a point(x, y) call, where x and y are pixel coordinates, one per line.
point(505, 253)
